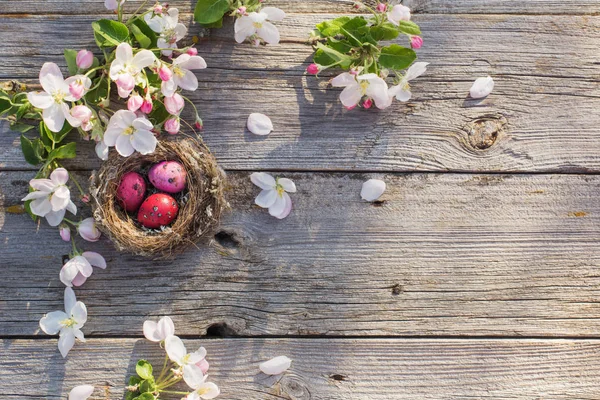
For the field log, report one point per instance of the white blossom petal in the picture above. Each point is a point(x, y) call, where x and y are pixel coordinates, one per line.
point(372, 189)
point(70, 300)
point(287, 184)
point(51, 322)
point(59, 176)
point(102, 150)
point(95, 259)
point(188, 81)
point(81, 392)
point(124, 146)
point(482, 87)
point(165, 327)
point(79, 314)
point(266, 198)
point(207, 390)
point(51, 78)
point(175, 349)
point(40, 99)
point(143, 59)
point(343, 79)
point(273, 13)
point(54, 218)
point(416, 70)
point(351, 95)
point(144, 141)
point(279, 205)
point(41, 207)
point(193, 62)
point(287, 208)
point(263, 180)
point(151, 332)
point(54, 117)
point(276, 366)
point(66, 342)
point(193, 375)
point(269, 33)
point(259, 124)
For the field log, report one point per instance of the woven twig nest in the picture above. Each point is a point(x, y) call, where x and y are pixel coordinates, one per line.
point(201, 203)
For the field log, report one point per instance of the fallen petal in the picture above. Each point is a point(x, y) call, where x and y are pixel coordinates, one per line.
point(482, 87)
point(372, 189)
point(275, 366)
point(81, 392)
point(259, 124)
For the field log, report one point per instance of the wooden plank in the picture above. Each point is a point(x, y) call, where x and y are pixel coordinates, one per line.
point(442, 254)
point(323, 6)
point(322, 369)
point(541, 117)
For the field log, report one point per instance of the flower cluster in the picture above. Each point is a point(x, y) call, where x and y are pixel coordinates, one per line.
point(253, 21)
point(353, 44)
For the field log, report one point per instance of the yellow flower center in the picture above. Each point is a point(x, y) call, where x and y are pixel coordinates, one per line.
point(68, 323)
point(257, 25)
point(363, 87)
point(128, 131)
point(59, 96)
point(178, 71)
point(280, 190)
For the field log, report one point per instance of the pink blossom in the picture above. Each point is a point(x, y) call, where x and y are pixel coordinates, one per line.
point(192, 51)
point(165, 73)
point(78, 85)
point(416, 42)
point(199, 124)
point(146, 107)
point(242, 10)
point(135, 102)
point(368, 103)
point(172, 126)
point(85, 198)
point(313, 69)
point(381, 7)
point(65, 233)
point(158, 9)
point(84, 115)
point(84, 59)
point(204, 365)
point(174, 104)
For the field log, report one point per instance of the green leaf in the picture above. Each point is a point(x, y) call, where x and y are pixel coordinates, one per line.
point(32, 150)
point(145, 36)
point(386, 31)
point(210, 11)
point(134, 380)
point(5, 103)
point(159, 113)
point(343, 59)
point(396, 57)
point(147, 386)
point(98, 94)
point(332, 27)
point(46, 136)
point(352, 30)
point(144, 369)
point(109, 33)
point(145, 396)
point(71, 58)
point(66, 151)
point(217, 24)
point(20, 127)
point(409, 27)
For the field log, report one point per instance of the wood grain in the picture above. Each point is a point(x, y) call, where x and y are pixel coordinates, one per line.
point(441, 254)
point(541, 117)
point(561, 7)
point(322, 369)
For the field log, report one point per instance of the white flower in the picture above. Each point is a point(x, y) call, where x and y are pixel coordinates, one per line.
point(102, 150)
point(183, 76)
point(81, 392)
point(274, 196)
point(112, 4)
point(372, 189)
point(52, 197)
point(128, 133)
point(52, 99)
point(125, 69)
point(67, 324)
point(76, 271)
point(87, 230)
point(157, 332)
point(256, 23)
point(192, 373)
point(275, 366)
point(482, 87)
point(203, 390)
point(357, 86)
point(402, 90)
point(259, 124)
point(168, 26)
point(399, 13)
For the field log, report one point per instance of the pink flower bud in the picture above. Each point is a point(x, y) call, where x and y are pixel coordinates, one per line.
point(416, 42)
point(203, 365)
point(381, 7)
point(353, 71)
point(84, 115)
point(146, 107)
point(368, 103)
point(77, 89)
point(313, 69)
point(242, 10)
point(84, 59)
point(192, 51)
point(125, 84)
point(135, 102)
point(172, 125)
point(174, 104)
point(165, 73)
point(158, 9)
point(85, 198)
point(358, 5)
point(199, 124)
point(65, 233)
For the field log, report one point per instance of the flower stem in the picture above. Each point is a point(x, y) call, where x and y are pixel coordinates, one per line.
point(81, 191)
point(164, 368)
point(172, 392)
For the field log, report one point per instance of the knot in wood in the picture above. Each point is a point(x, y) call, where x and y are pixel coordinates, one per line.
point(484, 132)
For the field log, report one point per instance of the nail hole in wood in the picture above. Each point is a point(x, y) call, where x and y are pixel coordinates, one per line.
point(378, 203)
point(228, 240)
point(338, 377)
point(397, 289)
point(221, 330)
point(65, 258)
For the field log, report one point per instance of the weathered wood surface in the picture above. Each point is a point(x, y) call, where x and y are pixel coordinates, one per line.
point(542, 115)
point(324, 6)
point(443, 254)
point(324, 369)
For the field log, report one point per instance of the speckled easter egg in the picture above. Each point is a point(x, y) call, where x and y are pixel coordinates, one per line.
point(168, 176)
point(131, 191)
point(158, 210)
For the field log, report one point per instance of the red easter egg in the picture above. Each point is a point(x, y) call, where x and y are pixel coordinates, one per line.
point(131, 191)
point(158, 210)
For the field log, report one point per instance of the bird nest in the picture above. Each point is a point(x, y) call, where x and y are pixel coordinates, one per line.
point(201, 204)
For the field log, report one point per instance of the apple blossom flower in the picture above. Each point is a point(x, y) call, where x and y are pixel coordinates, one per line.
point(313, 69)
point(165, 73)
point(66, 323)
point(169, 28)
point(126, 67)
point(381, 7)
point(128, 133)
point(358, 86)
point(78, 85)
point(172, 125)
point(87, 230)
point(192, 51)
point(51, 197)
point(157, 332)
point(84, 59)
point(183, 76)
point(368, 103)
point(399, 13)
point(259, 124)
point(402, 90)
point(158, 9)
point(135, 102)
point(256, 23)
point(113, 4)
point(65, 233)
point(52, 99)
point(203, 390)
point(416, 42)
point(174, 104)
point(275, 366)
point(177, 353)
point(146, 107)
point(82, 116)
point(372, 189)
point(482, 87)
point(102, 150)
point(274, 195)
point(76, 271)
point(81, 392)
